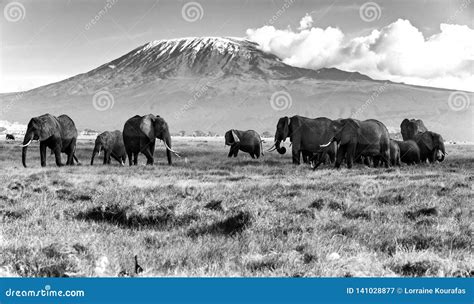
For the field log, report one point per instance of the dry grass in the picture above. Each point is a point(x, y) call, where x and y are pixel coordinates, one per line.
point(208, 215)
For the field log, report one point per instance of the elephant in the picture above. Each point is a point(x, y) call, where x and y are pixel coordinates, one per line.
point(139, 135)
point(57, 133)
point(394, 153)
point(410, 128)
point(359, 138)
point(9, 137)
point(431, 146)
point(409, 152)
point(247, 141)
point(306, 135)
point(112, 145)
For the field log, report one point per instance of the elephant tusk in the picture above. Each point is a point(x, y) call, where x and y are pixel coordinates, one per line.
point(171, 150)
point(26, 145)
point(272, 148)
point(326, 145)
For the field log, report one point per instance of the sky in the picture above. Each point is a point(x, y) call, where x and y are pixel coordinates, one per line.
point(417, 41)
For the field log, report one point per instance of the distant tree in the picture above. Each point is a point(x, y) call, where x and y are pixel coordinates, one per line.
point(182, 133)
point(267, 134)
point(2, 129)
point(199, 133)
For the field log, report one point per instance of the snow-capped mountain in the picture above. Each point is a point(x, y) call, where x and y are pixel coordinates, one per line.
point(193, 57)
point(214, 84)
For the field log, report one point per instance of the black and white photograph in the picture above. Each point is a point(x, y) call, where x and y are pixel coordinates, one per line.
point(207, 138)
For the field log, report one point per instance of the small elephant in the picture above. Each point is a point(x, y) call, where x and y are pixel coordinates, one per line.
point(246, 141)
point(412, 127)
point(394, 153)
point(9, 137)
point(409, 152)
point(431, 146)
point(57, 133)
point(140, 134)
point(112, 145)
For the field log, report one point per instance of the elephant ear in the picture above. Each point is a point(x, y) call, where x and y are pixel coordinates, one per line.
point(236, 138)
point(428, 139)
point(147, 126)
point(351, 123)
point(48, 126)
point(286, 128)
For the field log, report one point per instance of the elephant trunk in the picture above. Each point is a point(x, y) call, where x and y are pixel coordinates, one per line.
point(281, 150)
point(26, 141)
point(96, 151)
point(443, 153)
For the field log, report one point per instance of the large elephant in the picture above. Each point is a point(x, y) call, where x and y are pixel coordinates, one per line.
point(139, 135)
point(57, 133)
point(306, 136)
point(112, 145)
point(409, 152)
point(431, 146)
point(247, 141)
point(368, 138)
point(412, 127)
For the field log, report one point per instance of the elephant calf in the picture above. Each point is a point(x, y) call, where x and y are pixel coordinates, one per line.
point(409, 152)
point(112, 145)
point(394, 153)
point(247, 141)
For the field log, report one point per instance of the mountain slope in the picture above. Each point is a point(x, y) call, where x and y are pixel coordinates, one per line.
point(214, 84)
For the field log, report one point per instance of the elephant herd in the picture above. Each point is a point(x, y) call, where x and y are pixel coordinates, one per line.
point(60, 135)
point(322, 140)
point(319, 140)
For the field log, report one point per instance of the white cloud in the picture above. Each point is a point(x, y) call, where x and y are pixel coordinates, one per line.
point(306, 22)
point(397, 52)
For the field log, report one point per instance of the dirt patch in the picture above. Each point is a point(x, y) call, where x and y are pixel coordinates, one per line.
point(125, 217)
point(230, 226)
point(431, 211)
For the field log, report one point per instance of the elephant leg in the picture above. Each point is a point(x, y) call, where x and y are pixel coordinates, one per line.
point(252, 155)
point(57, 154)
point(129, 154)
point(386, 159)
point(340, 156)
point(115, 157)
point(230, 152)
point(43, 153)
point(350, 156)
point(135, 158)
point(236, 152)
point(70, 153)
point(149, 156)
point(296, 154)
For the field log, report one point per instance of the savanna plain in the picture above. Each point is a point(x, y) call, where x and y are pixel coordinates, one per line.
point(209, 215)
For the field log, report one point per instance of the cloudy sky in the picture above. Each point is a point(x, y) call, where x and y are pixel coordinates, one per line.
point(425, 42)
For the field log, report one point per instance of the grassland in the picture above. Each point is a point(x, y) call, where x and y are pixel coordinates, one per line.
point(209, 215)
